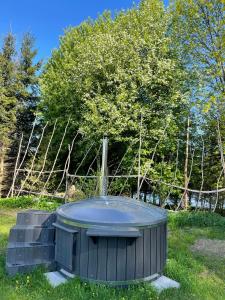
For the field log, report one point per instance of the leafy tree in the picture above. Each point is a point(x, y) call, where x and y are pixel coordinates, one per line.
point(109, 71)
point(198, 30)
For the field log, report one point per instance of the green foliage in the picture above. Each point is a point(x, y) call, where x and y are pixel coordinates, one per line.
point(105, 73)
point(7, 114)
point(18, 98)
point(28, 97)
point(200, 42)
point(21, 202)
point(8, 86)
point(46, 204)
point(198, 31)
point(196, 219)
point(18, 87)
point(82, 189)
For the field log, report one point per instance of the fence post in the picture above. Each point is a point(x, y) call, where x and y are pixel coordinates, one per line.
point(11, 190)
point(67, 177)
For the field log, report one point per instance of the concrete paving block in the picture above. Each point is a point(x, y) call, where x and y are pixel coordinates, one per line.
point(67, 274)
point(164, 282)
point(55, 278)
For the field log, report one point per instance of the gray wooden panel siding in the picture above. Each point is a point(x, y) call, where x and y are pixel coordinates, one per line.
point(139, 258)
point(130, 261)
point(77, 253)
point(147, 252)
point(158, 248)
point(111, 259)
point(84, 253)
point(121, 259)
point(165, 250)
point(102, 258)
point(64, 255)
point(153, 250)
point(117, 258)
point(92, 258)
point(162, 252)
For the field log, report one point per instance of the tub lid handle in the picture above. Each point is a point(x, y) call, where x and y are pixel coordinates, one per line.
point(126, 232)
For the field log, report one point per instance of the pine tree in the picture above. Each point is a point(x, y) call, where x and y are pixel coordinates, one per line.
point(18, 100)
point(8, 103)
point(28, 96)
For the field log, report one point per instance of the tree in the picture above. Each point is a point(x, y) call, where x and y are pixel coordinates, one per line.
point(18, 99)
point(107, 71)
point(8, 101)
point(198, 30)
point(28, 96)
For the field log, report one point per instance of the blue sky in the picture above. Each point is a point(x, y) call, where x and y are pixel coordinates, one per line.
point(47, 19)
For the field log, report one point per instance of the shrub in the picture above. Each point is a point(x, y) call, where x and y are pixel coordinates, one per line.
point(20, 202)
point(43, 203)
point(199, 219)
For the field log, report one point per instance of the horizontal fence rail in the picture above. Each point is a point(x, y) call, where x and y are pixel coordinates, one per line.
point(29, 180)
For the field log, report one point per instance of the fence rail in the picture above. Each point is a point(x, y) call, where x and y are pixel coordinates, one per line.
point(141, 176)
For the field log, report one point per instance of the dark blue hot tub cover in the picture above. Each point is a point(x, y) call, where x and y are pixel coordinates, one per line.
point(113, 211)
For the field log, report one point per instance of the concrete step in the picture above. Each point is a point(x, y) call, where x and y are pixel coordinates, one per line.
point(22, 233)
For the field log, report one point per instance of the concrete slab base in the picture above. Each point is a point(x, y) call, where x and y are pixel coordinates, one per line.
point(163, 283)
point(59, 277)
point(66, 274)
point(55, 278)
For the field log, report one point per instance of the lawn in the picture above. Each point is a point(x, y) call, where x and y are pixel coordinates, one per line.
point(202, 277)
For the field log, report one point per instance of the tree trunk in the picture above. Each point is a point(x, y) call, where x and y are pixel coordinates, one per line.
point(1, 170)
point(186, 179)
point(7, 165)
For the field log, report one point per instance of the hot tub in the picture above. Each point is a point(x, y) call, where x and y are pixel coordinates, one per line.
point(111, 240)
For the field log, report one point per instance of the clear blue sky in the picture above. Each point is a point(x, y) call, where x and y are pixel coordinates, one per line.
point(47, 19)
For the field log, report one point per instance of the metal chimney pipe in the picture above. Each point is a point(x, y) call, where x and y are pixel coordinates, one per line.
point(104, 179)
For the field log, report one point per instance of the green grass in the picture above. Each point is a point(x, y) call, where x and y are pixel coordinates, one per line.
point(201, 277)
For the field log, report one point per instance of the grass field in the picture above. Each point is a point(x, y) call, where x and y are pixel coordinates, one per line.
point(202, 277)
